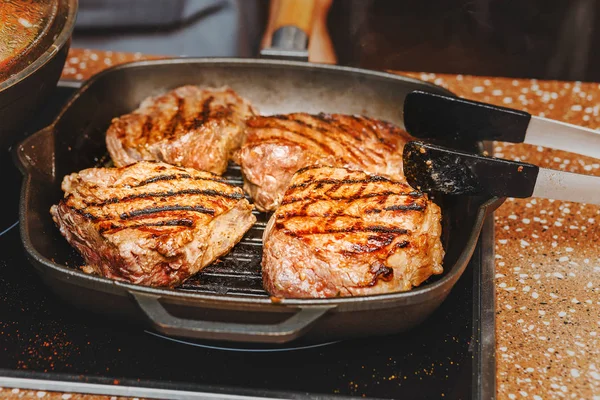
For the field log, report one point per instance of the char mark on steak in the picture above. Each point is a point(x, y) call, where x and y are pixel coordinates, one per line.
point(150, 223)
point(342, 232)
point(278, 146)
point(188, 126)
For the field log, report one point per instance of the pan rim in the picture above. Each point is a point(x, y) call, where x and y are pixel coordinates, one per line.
point(240, 61)
point(416, 295)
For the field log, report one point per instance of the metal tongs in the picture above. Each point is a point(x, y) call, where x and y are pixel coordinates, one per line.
point(434, 168)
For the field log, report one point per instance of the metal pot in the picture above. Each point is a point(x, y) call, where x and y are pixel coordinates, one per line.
point(31, 73)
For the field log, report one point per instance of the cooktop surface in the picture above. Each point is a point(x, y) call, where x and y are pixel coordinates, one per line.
point(48, 344)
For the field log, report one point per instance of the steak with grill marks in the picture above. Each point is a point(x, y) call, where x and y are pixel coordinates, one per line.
point(277, 146)
point(188, 126)
point(150, 223)
point(340, 232)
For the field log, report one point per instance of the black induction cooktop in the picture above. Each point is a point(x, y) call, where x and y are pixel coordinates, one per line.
point(47, 344)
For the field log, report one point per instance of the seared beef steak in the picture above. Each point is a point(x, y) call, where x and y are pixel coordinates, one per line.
point(188, 126)
point(150, 223)
point(277, 146)
point(340, 232)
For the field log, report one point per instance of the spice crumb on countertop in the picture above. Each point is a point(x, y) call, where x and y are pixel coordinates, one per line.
point(547, 252)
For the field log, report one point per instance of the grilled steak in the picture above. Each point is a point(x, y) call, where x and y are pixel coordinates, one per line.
point(340, 232)
point(277, 146)
point(150, 223)
point(188, 126)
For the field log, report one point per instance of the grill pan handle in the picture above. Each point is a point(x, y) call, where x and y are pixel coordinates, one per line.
point(32, 155)
point(291, 26)
point(283, 332)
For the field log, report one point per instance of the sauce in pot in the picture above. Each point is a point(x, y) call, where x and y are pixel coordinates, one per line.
point(22, 24)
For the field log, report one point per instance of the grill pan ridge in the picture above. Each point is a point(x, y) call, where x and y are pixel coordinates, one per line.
point(239, 271)
point(226, 300)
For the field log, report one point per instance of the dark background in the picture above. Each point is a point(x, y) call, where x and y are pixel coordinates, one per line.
point(514, 38)
point(542, 39)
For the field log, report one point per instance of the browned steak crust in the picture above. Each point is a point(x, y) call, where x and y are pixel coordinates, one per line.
point(341, 232)
point(188, 126)
point(150, 223)
point(277, 146)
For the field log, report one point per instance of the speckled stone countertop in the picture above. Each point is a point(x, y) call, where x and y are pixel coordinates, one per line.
point(547, 252)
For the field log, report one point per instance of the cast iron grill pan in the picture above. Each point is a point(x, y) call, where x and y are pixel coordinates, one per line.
point(232, 286)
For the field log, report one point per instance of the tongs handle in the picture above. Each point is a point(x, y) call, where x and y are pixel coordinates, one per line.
point(434, 116)
point(433, 168)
